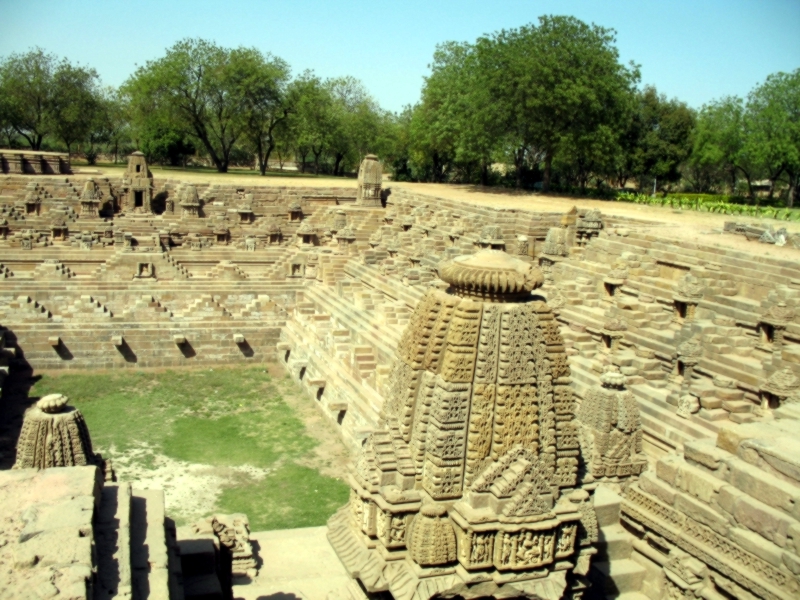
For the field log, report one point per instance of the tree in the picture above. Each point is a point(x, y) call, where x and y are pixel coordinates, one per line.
point(75, 102)
point(261, 81)
point(312, 106)
point(193, 89)
point(718, 142)
point(556, 81)
point(26, 90)
point(355, 119)
point(665, 137)
point(772, 127)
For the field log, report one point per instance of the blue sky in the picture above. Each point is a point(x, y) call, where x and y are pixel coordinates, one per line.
point(693, 50)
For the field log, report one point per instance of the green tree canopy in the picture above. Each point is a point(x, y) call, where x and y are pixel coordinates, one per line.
point(197, 92)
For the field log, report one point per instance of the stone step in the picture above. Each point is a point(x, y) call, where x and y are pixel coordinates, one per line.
point(618, 576)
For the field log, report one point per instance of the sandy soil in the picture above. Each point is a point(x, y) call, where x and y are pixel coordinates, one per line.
point(191, 490)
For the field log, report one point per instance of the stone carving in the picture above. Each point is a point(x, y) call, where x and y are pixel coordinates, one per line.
point(555, 242)
point(610, 429)
point(491, 236)
point(588, 224)
point(55, 435)
point(90, 199)
point(781, 387)
point(479, 413)
point(233, 532)
point(522, 248)
point(190, 203)
point(370, 176)
point(137, 185)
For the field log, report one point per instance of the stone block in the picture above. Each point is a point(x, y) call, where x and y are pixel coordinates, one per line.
point(702, 513)
point(763, 486)
point(179, 339)
point(697, 483)
point(727, 496)
point(667, 468)
point(54, 341)
point(117, 340)
point(755, 544)
point(238, 338)
point(704, 452)
point(651, 484)
point(606, 506)
point(768, 522)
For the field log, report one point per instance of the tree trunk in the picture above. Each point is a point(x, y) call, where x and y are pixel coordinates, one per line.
point(548, 168)
point(485, 174)
point(336, 164)
point(266, 158)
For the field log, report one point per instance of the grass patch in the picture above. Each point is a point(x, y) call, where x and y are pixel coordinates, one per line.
point(224, 417)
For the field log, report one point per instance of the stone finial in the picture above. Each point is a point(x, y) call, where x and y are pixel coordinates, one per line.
point(52, 403)
point(612, 378)
point(54, 435)
point(491, 274)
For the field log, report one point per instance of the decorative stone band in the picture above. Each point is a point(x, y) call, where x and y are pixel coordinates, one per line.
point(491, 275)
point(716, 551)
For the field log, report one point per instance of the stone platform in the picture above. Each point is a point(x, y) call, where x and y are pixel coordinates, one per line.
point(297, 564)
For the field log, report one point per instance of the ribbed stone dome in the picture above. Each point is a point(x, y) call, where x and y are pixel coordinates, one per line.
point(491, 275)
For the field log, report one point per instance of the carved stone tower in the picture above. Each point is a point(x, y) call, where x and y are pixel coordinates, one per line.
point(370, 175)
point(54, 435)
point(466, 487)
point(137, 185)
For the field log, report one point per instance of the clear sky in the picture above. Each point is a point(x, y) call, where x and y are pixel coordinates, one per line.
point(695, 50)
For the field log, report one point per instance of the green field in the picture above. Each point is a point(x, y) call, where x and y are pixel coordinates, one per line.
point(224, 418)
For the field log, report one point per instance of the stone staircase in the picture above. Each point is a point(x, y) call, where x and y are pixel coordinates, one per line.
point(615, 574)
point(85, 308)
point(204, 308)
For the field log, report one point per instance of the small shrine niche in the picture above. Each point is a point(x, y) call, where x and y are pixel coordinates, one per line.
point(245, 211)
point(145, 271)
point(295, 212)
point(222, 236)
point(491, 238)
point(306, 235)
point(782, 387)
point(681, 310)
point(766, 334)
point(58, 230)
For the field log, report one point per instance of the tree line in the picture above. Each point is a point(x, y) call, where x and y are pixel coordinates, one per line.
point(550, 106)
point(199, 102)
point(546, 106)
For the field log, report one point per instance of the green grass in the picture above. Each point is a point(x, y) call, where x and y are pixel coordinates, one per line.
point(222, 417)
